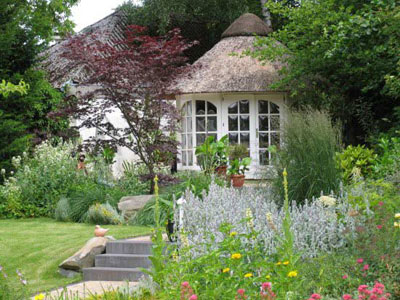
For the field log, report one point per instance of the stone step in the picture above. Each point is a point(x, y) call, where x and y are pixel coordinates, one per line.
point(122, 260)
point(128, 247)
point(112, 274)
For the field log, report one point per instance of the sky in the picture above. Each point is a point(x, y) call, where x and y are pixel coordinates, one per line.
point(88, 12)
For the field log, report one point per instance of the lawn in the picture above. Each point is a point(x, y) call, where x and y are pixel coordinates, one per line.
point(37, 246)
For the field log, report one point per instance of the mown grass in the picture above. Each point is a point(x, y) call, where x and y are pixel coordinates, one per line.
point(37, 246)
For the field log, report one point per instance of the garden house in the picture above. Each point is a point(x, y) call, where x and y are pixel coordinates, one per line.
point(227, 94)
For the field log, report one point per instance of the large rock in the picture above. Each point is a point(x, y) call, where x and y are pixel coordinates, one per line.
point(130, 204)
point(84, 258)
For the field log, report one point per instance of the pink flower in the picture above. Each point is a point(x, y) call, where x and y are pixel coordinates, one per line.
point(266, 285)
point(185, 284)
point(347, 297)
point(366, 267)
point(360, 261)
point(379, 226)
point(345, 276)
point(380, 203)
point(193, 297)
point(377, 291)
point(362, 288)
point(241, 292)
point(316, 296)
point(379, 286)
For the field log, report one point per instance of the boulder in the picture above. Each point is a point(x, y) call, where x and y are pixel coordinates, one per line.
point(130, 204)
point(84, 258)
point(68, 273)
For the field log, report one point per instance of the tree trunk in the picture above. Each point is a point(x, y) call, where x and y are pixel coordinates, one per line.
point(266, 13)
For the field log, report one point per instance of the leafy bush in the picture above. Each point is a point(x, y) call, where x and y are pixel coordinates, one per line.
point(63, 210)
point(316, 227)
point(388, 160)
point(309, 144)
point(103, 214)
point(355, 162)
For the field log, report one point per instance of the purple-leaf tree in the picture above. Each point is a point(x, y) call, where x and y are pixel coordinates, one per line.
point(133, 76)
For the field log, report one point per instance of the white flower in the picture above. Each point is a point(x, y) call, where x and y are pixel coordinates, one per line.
point(397, 216)
point(12, 172)
point(181, 201)
point(327, 200)
point(3, 171)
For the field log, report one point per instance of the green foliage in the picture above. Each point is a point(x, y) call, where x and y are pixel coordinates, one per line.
point(63, 210)
point(309, 144)
point(103, 214)
point(388, 160)
point(212, 154)
point(203, 21)
point(10, 290)
point(356, 161)
point(239, 167)
point(343, 61)
point(6, 88)
point(238, 151)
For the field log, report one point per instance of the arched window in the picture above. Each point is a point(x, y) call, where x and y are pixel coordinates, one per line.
point(268, 129)
point(239, 123)
point(206, 121)
point(187, 135)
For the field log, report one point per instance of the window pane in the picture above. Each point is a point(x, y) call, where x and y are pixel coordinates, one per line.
point(263, 123)
point(244, 123)
point(184, 161)
point(275, 139)
point(244, 139)
point(184, 125)
point(211, 123)
point(211, 109)
point(233, 108)
point(184, 141)
point(233, 123)
point(244, 107)
point(200, 139)
point(189, 108)
point(264, 158)
point(200, 107)
point(233, 138)
point(190, 158)
point(262, 107)
point(189, 124)
point(263, 139)
point(275, 123)
point(189, 140)
point(274, 108)
point(200, 124)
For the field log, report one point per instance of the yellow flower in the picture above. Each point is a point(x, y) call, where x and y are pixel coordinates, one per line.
point(292, 274)
point(39, 297)
point(397, 216)
point(278, 263)
point(226, 270)
point(268, 276)
point(286, 263)
point(236, 256)
point(396, 224)
point(233, 233)
point(248, 275)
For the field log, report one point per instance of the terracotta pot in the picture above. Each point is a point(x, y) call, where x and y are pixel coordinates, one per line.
point(221, 170)
point(237, 180)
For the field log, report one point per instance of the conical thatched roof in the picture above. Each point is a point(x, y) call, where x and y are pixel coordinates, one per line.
point(247, 25)
point(220, 71)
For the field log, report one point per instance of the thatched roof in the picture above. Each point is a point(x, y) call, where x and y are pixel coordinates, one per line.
point(247, 25)
point(108, 30)
point(220, 71)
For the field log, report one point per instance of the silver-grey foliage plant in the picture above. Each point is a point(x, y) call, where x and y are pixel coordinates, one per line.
point(316, 226)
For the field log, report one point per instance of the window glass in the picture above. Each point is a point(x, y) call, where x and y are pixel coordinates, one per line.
point(200, 107)
point(269, 127)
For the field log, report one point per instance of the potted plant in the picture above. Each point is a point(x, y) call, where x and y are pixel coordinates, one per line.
point(221, 155)
point(237, 169)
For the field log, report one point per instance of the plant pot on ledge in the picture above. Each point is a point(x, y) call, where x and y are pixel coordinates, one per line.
point(221, 170)
point(237, 180)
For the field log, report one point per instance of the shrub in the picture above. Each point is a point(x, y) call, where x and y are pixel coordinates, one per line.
point(388, 160)
point(355, 162)
point(309, 144)
point(316, 227)
point(63, 210)
point(103, 214)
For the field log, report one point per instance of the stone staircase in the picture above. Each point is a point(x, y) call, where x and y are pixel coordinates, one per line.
point(121, 262)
